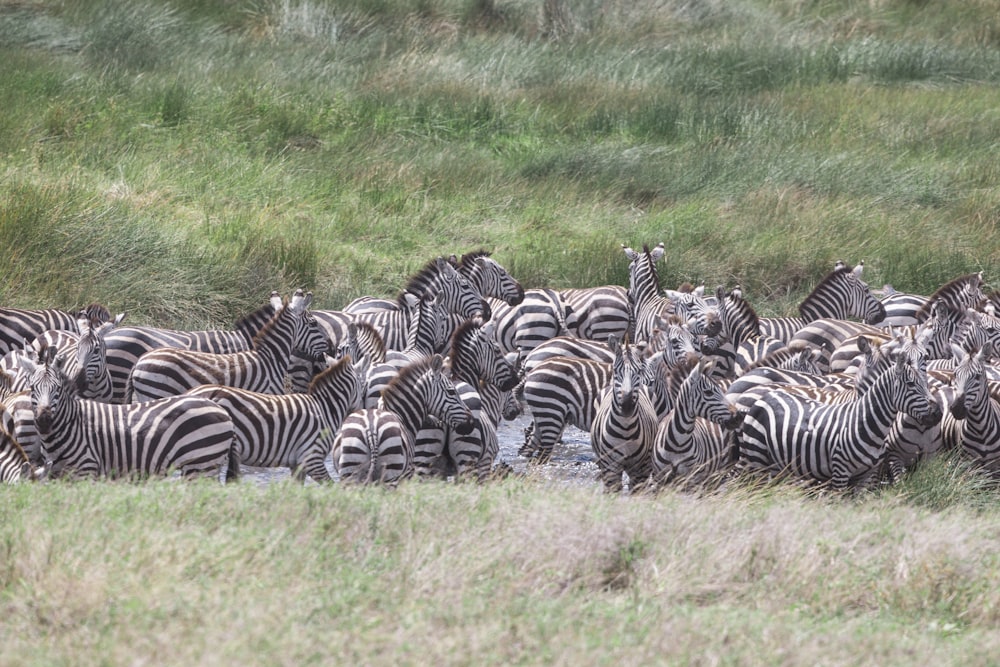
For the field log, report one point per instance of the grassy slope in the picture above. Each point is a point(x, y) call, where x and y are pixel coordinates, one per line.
point(178, 162)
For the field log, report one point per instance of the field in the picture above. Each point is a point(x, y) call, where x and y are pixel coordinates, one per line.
point(177, 161)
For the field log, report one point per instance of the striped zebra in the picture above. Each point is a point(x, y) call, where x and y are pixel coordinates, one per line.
point(978, 411)
point(90, 439)
point(171, 372)
point(19, 325)
point(540, 316)
point(294, 431)
point(901, 308)
point(376, 445)
point(125, 345)
point(690, 442)
point(426, 337)
point(483, 377)
point(455, 293)
point(14, 463)
point(959, 294)
point(560, 392)
point(827, 334)
point(488, 277)
point(361, 342)
point(624, 424)
point(598, 312)
point(842, 444)
point(840, 295)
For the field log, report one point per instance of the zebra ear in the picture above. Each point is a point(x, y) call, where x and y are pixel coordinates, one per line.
point(657, 253)
point(276, 301)
point(437, 363)
point(864, 345)
point(612, 342)
point(986, 352)
point(630, 254)
point(859, 268)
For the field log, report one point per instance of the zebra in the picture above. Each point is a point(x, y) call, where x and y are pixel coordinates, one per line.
point(361, 342)
point(455, 292)
point(18, 325)
point(598, 312)
point(90, 439)
point(978, 411)
point(425, 338)
point(376, 444)
point(690, 442)
point(959, 293)
point(840, 295)
point(171, 372)
point(842, 444)
point(125, 345)
point(291, 430)
point(488, 277)
point(827, 334)
point(559, 392)
point(541, 315)
point(624, 425)
point(14, 462)
point(483, 377)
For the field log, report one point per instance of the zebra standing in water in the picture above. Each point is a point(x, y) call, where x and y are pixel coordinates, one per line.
point(91, 439)
point(482, 376)
point(171, 372)
point(598, 312)
point(376, 444)
point(690, 442)
point(840, 295)
point(843, 444)
point(18, 325)
point(125, 345)
point(290, 430)
point(624, 424)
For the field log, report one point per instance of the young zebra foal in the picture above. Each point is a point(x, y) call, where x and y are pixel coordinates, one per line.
point(376, 444)
point(624, 422)
point(91, 439)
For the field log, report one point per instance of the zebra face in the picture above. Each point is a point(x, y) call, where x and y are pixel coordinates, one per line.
point(311, 341)
point(445, 403)
point(912, 394)
point(48, 384)
point(969, 382)
point(496, 282)
point(628, 373)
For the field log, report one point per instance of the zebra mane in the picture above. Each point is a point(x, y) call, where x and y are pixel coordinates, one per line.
point(467, 328)
point(468, 261)
point(96, 314)
point(335, 370)
point(408, 375)
point(424, 281)
point(368, 336)
point(256, 320)
point(951, 293)
point(271, 323)
point(15, 445)
point(837, 274)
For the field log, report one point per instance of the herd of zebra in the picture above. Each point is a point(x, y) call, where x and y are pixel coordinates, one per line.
point(674, 386)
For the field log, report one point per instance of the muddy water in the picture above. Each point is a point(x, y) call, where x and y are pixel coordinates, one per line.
point(572, 461)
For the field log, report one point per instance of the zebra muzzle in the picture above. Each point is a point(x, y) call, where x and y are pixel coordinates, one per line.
point(934, 415)
point(43, 422)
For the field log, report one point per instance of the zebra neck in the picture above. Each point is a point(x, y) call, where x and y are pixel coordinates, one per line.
point(408, 403)
point(274, 345)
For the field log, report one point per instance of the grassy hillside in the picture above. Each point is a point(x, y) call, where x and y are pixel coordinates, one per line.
point(178, 160)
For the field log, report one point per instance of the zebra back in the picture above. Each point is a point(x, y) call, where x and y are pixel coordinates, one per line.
point(598, 312)
point(19, 325)
point(540, 316)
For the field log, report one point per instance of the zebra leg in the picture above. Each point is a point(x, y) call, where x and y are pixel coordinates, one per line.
point(233, 465)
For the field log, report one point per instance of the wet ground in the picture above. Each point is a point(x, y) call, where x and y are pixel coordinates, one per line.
point(572, 461)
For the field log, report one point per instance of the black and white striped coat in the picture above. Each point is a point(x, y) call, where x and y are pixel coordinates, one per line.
point(690, 442)
point(541, 315)
point(488, 277)
point(624, 424)
point(978, 411)
point(840, 295)
point(375, 445)
point(18, 325)
point(294, 431)
point(843, 444)
point(90, 439)
point(171, 372)
point(14, 463)
point(125, 345)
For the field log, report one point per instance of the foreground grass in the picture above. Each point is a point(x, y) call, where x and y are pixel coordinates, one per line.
point(509, 573)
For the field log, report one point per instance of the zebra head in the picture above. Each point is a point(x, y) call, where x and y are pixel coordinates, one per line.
point(476, 355)
point(969, 379)
point(49, 386)
point(310, 341)
point(91, 352)
point(703, 397)
point(629, 375)
point(908, 391)
point(488, 277)
point(842, 294)
point(674, 338)
point(443, 400)
point(643, 280)
point(458, 295)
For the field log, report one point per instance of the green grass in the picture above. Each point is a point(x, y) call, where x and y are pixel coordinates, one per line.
point(180, 160)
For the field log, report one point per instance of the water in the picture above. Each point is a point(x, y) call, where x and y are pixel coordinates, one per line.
point(572, 460)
